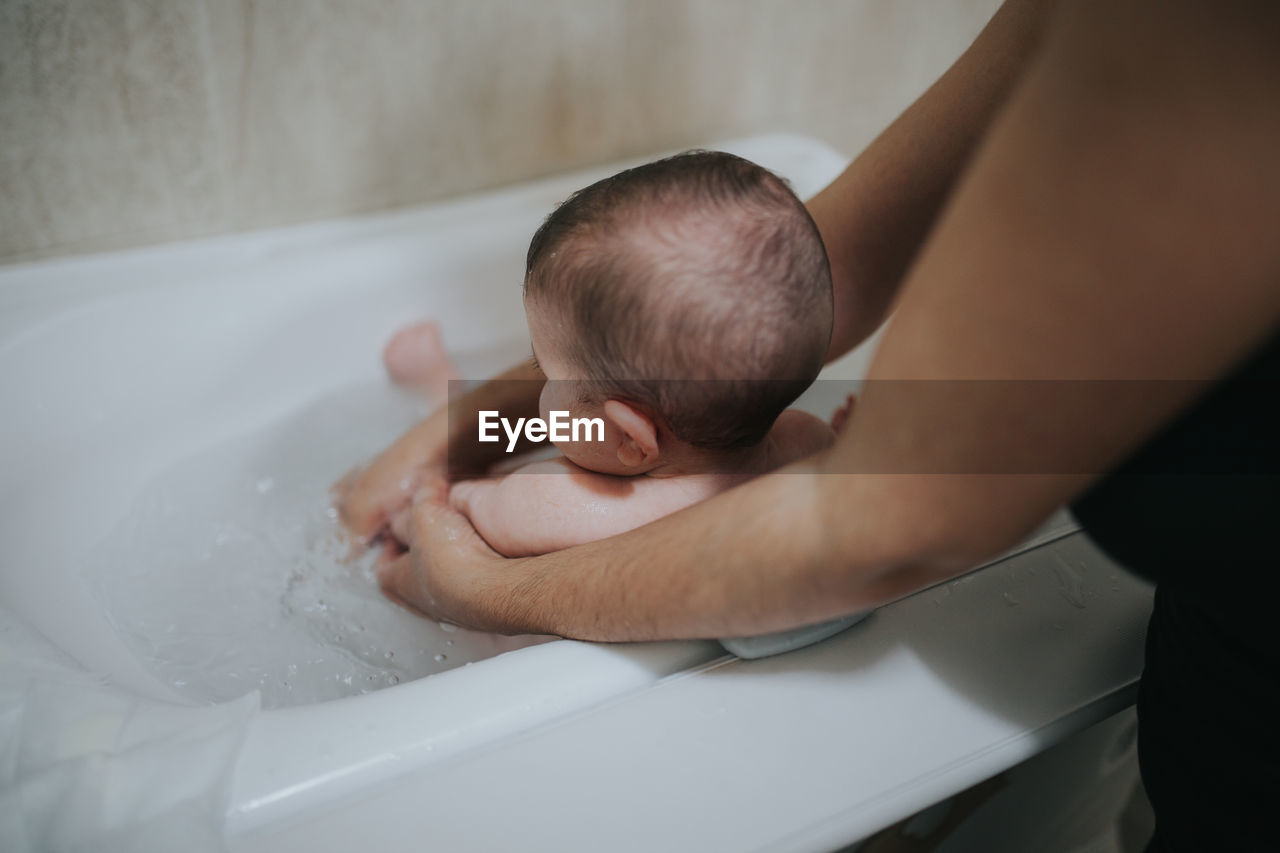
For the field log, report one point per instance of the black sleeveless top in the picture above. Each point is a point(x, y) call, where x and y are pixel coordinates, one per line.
point(1197, 511)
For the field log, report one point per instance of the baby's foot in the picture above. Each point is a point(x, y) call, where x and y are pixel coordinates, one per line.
point(415, 359)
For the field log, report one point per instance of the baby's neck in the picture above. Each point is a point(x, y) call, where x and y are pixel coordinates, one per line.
point(688, 461)
point(794, 435)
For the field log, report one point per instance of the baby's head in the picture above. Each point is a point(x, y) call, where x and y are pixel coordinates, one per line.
point(687, 301)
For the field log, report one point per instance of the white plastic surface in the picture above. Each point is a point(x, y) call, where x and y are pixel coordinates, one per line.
point(90, 768)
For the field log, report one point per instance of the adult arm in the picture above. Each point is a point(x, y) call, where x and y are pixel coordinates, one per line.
point(876, 215)
point(1117, 224)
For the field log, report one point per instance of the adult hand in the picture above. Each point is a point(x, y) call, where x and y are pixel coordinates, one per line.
point(449, 573)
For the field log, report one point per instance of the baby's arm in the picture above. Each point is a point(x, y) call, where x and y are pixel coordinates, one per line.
point(547, 506)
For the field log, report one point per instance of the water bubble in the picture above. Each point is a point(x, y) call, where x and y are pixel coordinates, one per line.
point(440, 658)
point(445, 626)
point(395, 679)
point(1010, 600)
point(389, 655)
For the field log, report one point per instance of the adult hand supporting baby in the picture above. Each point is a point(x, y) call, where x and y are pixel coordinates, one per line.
point(451, 574)
point(458, 586)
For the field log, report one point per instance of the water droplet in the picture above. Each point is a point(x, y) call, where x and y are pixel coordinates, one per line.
point(1070, 583)
point(445, 626)
point(440, 658)
point(1010, 600)
point(395, 679)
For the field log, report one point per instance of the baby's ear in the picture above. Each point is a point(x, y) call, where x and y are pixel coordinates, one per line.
point(639, 445)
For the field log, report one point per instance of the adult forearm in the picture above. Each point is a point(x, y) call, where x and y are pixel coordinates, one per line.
point(758, 558)
point(736, 564)
point(875, 216)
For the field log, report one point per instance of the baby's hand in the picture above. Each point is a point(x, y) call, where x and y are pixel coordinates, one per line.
point(841, 415)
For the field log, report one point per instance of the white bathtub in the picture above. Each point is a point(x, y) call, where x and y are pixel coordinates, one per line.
point(172, 416)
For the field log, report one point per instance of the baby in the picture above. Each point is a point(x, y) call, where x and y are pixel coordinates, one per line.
point(686, 303)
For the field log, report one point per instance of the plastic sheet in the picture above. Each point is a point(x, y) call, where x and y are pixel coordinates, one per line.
point(87, 767)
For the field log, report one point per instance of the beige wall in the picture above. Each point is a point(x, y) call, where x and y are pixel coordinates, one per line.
point(127, 122)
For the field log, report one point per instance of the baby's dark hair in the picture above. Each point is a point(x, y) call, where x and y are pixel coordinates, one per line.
point(696, 287)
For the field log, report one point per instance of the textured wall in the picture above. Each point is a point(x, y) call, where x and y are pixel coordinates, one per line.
point(126, 122)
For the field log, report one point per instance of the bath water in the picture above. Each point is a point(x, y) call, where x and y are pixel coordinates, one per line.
point(229, 572)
